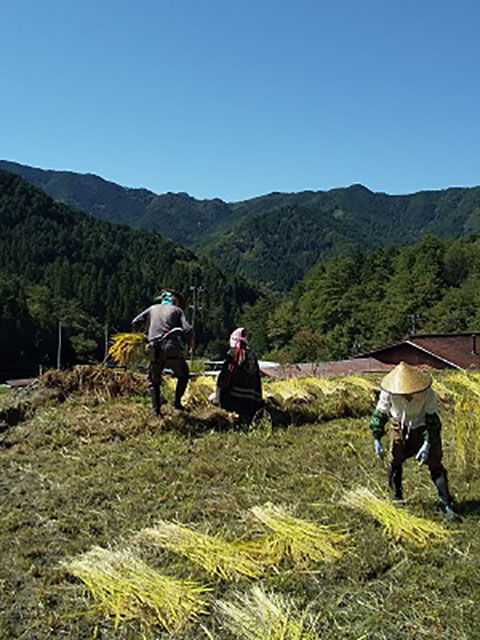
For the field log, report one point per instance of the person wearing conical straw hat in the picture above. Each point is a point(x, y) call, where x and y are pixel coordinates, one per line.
point(166, 325)
point(409, 403)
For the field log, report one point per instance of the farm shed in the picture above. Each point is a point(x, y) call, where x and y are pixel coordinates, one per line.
point(439, 351)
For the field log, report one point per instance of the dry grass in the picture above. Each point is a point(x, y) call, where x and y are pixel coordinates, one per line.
point(80, 474)
point(398, 525)
point(126, 588)
point(258, 615)
point(466, 430)
point(98, 381)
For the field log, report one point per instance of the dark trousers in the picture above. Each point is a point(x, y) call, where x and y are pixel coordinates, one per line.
point(161, 359)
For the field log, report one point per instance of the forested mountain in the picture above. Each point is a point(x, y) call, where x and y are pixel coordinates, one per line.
point(177, 216)
point(284, 235)
point(58, 265)
point(350, 304)
point(274, 239)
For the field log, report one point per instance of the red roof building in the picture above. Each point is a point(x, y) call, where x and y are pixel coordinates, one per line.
point(439, 351)
point(325, 369)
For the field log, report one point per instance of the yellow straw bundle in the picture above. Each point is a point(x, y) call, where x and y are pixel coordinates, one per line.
point(467, 433)
point(227, 560)
point(469, 381)
point(125, 346)
point(302, 540)
point(126, 588)
point(258, 615)
point(398, 524)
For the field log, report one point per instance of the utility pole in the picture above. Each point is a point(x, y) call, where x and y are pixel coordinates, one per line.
point(106, 342)
point(195, 306)
point(59, 346)
point(413, 324)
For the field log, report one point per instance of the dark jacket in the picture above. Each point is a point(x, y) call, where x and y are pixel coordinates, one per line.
point(159, 319)
point(239, 386)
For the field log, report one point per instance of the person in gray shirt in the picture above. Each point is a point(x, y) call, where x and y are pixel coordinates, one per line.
point(166, 327)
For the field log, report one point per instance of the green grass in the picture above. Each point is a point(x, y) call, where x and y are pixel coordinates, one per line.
point(89, 473)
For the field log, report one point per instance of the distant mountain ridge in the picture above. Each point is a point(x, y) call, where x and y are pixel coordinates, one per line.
point(177, 216)
point(276, 238)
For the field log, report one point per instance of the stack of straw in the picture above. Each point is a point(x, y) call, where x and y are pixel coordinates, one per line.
point(397, 524)
point(126, 588)
point(260, 616)
point(300, 539)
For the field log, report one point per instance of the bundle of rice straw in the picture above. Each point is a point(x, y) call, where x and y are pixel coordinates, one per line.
point(227, 560)
point(302, 540)
point(257, 615)
point(125, 346)
point(397, 524)
point(126, 588)
point(467, 380)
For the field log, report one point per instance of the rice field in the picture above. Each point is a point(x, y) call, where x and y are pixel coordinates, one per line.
point(117, 525)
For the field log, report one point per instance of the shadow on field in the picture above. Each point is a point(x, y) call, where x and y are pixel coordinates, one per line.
point(469, 508)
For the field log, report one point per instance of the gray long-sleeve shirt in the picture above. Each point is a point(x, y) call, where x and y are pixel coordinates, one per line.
point(161, 318)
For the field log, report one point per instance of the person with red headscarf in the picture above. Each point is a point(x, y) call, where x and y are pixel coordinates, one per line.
point(239, 386)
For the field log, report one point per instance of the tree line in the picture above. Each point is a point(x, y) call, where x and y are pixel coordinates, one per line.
point(59, 265)
point(350, 304)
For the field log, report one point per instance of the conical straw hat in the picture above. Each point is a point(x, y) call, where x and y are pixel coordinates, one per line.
point(405, 379)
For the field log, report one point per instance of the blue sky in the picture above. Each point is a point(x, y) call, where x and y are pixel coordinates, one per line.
point(234, 99)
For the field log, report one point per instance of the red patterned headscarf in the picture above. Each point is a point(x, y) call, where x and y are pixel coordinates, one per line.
point(238, 342)
point(238, 338)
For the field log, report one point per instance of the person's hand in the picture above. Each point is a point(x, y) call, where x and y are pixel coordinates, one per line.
point(378, 448)
point(423, 452)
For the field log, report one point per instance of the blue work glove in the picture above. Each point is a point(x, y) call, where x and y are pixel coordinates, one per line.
point(423, 452)
point(378, 448)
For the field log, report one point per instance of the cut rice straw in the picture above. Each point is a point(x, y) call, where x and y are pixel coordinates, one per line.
point(469, 381)
point(126, 588)
point(221, 558)
point(125, 346)
point(257, 615)
point(398, 524)
point(302, 540)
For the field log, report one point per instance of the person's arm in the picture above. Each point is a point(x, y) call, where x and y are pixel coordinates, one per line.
point(142, 317)
point(433, 424)
point(186, 327)
point(380, 416)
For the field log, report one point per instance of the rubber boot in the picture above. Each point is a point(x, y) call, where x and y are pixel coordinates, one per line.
point(179, 391)
point(395, 481)
point(155, 398)
point(444, 497)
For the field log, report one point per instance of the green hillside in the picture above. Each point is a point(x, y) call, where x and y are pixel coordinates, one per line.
point(83, 479)
point(273, 239)
point(349, 304)
point(278, 238)
point(177, 216)
point(58, 265)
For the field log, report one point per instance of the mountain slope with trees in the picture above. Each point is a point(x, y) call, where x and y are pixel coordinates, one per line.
point(59, 265)
point(273, 239)
point(177, 216)
point(284, 236)
point(354, 303)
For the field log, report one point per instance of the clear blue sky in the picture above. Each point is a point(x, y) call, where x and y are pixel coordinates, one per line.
point(237, 98)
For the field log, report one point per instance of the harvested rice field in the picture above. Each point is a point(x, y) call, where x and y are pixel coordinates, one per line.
point(116, 525)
